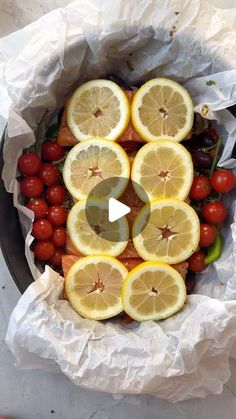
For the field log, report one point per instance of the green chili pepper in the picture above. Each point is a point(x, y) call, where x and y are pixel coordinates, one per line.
point(214, 251)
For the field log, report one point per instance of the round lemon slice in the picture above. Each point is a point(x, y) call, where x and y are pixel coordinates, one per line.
point(91, 232)
point(162, 110)
point(98, 108)
point(93, 286)
point(164, 169)
point(167, 231)
point(93, 161)
point(153, 291)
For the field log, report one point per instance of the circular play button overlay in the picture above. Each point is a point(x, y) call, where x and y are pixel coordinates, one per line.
point(112, 218)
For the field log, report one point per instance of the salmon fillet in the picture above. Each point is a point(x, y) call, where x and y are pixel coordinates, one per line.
point(65, 136)
point(182, 268)
point(69, 260)
point(67, 139)
point(130, 263)
point(128, 253)
point(130, 134)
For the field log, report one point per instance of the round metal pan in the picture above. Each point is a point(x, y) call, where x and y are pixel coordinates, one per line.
point(11, 239)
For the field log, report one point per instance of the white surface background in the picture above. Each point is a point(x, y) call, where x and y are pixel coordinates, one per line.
point(40, 395)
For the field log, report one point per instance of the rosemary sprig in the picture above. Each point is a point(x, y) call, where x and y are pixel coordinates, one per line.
point(39, 131)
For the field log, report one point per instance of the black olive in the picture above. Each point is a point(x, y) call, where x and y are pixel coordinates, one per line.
point(201, 159)
point(190, 282)
point(207, 140)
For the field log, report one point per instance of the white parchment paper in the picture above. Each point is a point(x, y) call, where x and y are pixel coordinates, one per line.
point(191, 42)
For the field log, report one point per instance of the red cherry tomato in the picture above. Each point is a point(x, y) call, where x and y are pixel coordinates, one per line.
point(49, 174)
point(200, 188)
point(59, 236)
point(52, 151)
point(223, 180)
point(56, 194)
point(39, 207)
point(44, 250)
point(29, 163)
point(31, 187)
point(42, 229)
point(55, 260)
point(207, 235)
point(214, 212)
point(196, 262)
point(57, 215)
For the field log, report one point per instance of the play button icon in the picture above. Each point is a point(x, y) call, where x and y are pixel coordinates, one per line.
point(107, 214)
point(117, 210)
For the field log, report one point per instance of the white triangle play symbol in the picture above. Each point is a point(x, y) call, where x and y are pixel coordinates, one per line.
point(116, 210)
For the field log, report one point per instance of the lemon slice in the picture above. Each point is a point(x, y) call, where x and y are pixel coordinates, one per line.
point(93, 286)
point(98, 108)
point(153, 291)
point(92, 161)
point(162, 109)
point(92, 233)
point(163, 169)
point(167, 231)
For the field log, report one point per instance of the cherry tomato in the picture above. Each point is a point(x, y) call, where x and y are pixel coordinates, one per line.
point(214, 212)
point(29, 163)
point(200, 188)
point(56, 194)
point(196, 262)
point(44, 250)
point(55, 260)
point(42, 229)
point(57, 215)
point(31, 187)
point(52, 151)
point(59, 236)
point(207, 235)
point(49, 174)
point(39, 207)
point(223, 180)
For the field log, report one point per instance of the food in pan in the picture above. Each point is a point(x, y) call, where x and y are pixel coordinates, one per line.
point(145, 262)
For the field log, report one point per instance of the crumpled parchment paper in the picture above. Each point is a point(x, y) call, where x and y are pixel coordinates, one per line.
point(192, 43)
